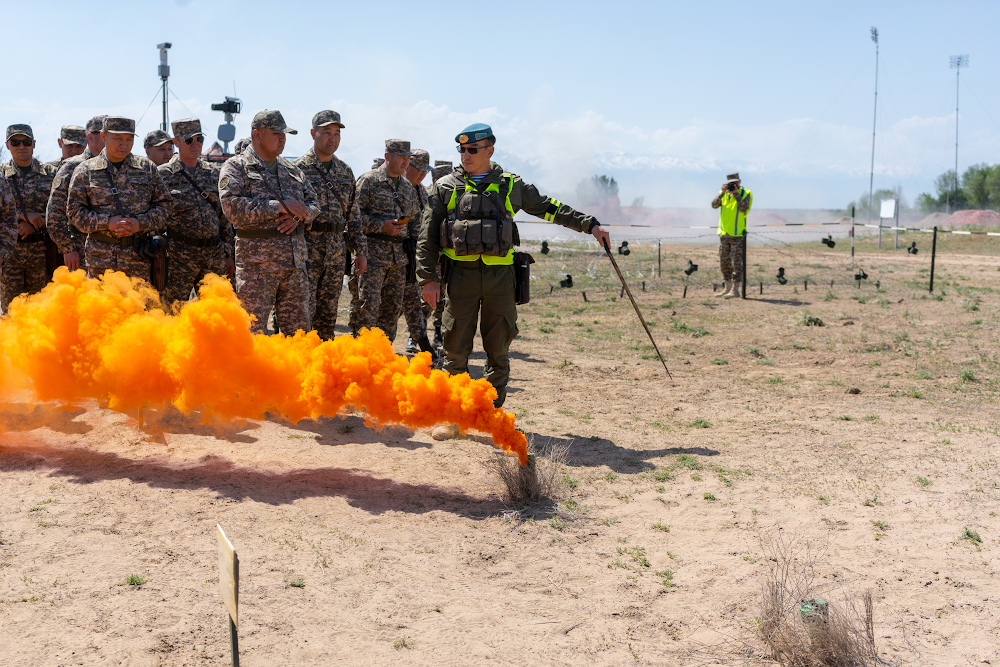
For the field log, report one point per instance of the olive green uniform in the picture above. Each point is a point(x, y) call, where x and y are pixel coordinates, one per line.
point(477, 289)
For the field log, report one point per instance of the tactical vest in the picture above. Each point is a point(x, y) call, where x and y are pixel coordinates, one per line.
point(480, 223)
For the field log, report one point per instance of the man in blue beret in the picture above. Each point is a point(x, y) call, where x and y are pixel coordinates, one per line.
point(469, 234)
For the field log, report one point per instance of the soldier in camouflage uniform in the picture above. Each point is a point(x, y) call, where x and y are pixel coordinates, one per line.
point(389, 216)
point(72, 142)
point(475, 202)
point(270, 203)
point(413, 305)
point(200, 236)
point(159, 147)
point(67, 238)
point(441, 169)
point(30, 180)
point(8, 222)
point(117, 199)
point(337, 231)
point(352, 278)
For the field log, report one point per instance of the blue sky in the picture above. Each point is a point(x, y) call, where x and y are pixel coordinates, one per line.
point(666, 97)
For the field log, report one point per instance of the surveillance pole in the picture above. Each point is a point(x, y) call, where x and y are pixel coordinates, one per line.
point(957, 63)
point(164, 71)
point(871, 182)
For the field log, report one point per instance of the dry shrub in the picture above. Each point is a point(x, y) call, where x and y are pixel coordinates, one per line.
point(837, 633)
point(535, 481)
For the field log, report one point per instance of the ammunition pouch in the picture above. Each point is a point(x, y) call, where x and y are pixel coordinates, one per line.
point(522, 277)
point(479, 224)
point(149, 246)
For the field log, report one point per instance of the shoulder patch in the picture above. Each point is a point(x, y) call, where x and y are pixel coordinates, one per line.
point(223, 182)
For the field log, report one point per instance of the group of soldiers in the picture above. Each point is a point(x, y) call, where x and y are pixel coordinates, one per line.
point(285, 232)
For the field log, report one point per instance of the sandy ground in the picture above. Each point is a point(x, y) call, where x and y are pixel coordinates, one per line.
point(365, 547)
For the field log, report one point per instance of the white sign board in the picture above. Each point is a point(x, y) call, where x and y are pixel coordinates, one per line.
point(229, 572)
point(888, 209)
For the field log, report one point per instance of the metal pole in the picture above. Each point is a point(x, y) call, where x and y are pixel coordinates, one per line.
point(880, 232)
point(933, 254)
point(163, 125)
point(852, 237)
point(958, 72)
point(871, 181)
point(743, 291)
point(659, 259)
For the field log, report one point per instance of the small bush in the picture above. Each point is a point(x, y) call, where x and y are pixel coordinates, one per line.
point(967, 375)
point(923, 481)
point(688, 461)
point(297, 583)
point(709, 496)
point(719, 362)
point(134, 580)
point(972, 536)
point(701, 423)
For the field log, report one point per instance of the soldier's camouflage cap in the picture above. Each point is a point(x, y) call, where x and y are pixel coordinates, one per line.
point(73, 134)
point(397, 147)
point(271, 119)
point(378, 162)
point(118, 125)
point(440, 171)
point(185, 128)
point(20, 128)
point(732, 178)
point(420, 159)
point(241, 145)
point(96, 124)
point(475, 132)
point(443, 163)
point(156, 138)
point(324, 118)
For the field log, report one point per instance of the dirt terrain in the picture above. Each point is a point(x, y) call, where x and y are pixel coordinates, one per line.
point(368, 547)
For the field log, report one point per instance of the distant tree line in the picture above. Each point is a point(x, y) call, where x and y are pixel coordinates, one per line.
point(978, 189)
point(860, 205)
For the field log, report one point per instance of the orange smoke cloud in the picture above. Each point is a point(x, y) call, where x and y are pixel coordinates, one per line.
point(108, 338)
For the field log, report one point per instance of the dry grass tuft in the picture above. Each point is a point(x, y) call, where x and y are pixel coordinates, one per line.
point(802, 627)
point(535, 481)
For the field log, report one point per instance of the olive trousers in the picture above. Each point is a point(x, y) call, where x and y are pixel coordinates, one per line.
point(483, 295)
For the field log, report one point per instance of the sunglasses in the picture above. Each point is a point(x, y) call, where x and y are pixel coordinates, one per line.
point(200, 139)
point(470, 149)
point(21, 142)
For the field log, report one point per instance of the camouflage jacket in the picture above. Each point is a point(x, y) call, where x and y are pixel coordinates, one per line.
point(190, 213)
point(8, 220)
point(523, 197)
point(341, 179)
point(251, 195)
point(34, 187)
point(56, 220)
point(378, 201)
point(90, 203)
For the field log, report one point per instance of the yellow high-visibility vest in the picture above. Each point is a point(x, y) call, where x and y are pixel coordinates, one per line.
point(490, 260)
point(733, 221)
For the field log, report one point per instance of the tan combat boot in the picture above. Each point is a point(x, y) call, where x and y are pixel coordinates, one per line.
point(445, 432)
point(725, 290)
point(734, 291)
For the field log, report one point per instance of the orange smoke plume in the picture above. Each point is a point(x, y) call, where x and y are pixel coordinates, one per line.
point(108, 338)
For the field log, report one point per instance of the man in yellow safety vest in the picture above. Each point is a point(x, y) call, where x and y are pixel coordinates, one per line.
point(733, 202)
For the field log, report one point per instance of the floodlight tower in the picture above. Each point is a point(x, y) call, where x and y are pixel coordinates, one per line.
point(871, 181)
point(164, 71)
point(957, 63)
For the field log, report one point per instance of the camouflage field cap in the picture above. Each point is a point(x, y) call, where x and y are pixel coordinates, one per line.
point(73, 134)
point(397, 147)
point(443, 163)
point(732, 178)
point(118, 125)
point(324, 118)
point(271, 119)
point(156, 138)
point(20, 128)
point(96, 124)
point(378, 162)
point(185, 128)
point(440, 171)
point(241, 145)
point(475, 132)
point(420, 159)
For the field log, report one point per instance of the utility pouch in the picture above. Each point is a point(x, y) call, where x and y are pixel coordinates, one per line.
point(522, 277)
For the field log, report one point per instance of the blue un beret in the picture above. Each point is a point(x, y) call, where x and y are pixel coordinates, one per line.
point(475, 132)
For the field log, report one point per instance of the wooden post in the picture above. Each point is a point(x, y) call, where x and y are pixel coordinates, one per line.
point(659, 259)
point(685, 292)
point(933, 255)
point(743, 290)
point(806, 286)
point(229, 585)
point(852, 240)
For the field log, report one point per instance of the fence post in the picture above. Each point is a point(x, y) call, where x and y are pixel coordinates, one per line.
point(897, 226)
point(659, 259)
point(933, 254)
point(743, 291)
point(852, 239)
